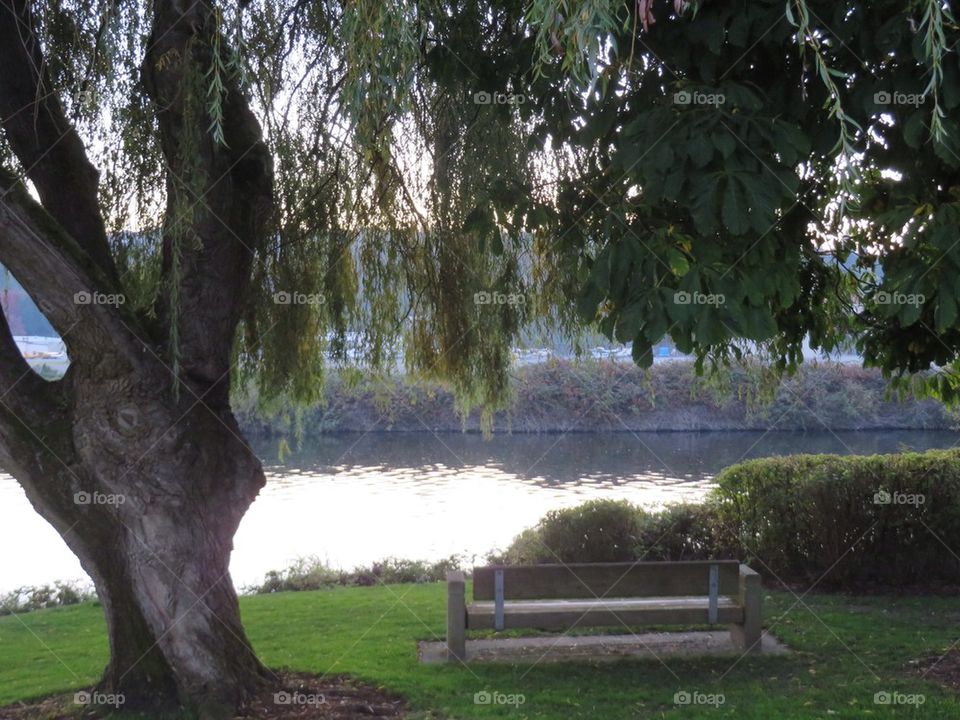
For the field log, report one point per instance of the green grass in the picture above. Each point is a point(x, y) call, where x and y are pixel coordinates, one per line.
point(846, 650)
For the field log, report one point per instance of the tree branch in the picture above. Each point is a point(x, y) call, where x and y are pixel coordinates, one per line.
point(62, 279)
point(228, 209)
point(44, 141)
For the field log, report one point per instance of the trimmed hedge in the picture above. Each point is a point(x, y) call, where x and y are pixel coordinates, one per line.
point(841, 522)
point(848, 521)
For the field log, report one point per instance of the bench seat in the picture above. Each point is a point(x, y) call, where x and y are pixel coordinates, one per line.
point(556, 614)
point(583, 595)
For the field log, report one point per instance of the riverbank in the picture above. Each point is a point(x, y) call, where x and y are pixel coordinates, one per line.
point(609, 396)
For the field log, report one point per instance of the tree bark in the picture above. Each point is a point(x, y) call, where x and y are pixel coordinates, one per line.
point(148, 492)
point(145, 485)
point(163, 565)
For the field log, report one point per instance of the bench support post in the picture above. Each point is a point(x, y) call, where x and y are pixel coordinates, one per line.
point(747, 637)
point(456, 617)
point(714, 599)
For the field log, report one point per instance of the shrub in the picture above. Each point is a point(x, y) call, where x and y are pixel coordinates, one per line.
point(311, 573)
point(848, 521)
point(597, 531)
point(685, 531)
point(612, 531)
point(304, 574)
point(525, 549)
point(38, 597)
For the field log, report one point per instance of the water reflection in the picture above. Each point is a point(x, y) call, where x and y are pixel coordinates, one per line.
point(579, 457)
point(356, 498)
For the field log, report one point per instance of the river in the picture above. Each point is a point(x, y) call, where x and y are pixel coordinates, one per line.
point(352, 499)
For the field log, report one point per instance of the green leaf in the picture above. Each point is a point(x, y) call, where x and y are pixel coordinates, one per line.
point(949, 150)
point(699, 150)
point(734, 209)
point(673, 184)
point(478, 219)
point(760, 324)
point(710, 330)
point(587, 305)
point(655, 326)
point(642, 352)
point(909, 312)
point(763, 195)
point(678, 263)
point(790, 141)
point(709, 31)
point(914, 130)
point(724, 141)
point(628, 322)
point(659, 158)
point(946, 312)
point(703, 207)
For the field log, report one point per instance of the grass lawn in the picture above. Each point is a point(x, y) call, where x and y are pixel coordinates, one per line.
point(847, 649)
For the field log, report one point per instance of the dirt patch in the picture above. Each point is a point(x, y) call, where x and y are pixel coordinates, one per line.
point(295, 696)
point(944, 669)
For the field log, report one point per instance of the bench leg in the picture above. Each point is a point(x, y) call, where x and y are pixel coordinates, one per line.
point(747, 637)
point(456, 617)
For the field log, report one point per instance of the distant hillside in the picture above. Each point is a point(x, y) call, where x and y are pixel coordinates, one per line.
point(21, 312)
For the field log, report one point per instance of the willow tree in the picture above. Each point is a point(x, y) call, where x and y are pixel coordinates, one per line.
point(198, 196)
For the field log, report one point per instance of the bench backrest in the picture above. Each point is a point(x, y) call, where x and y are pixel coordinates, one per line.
point(605, 580)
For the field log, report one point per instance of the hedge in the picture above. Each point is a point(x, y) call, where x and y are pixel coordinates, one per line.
point(841, 522)
point(848, 521)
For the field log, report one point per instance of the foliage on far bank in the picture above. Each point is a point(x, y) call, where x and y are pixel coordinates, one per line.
point(561, 396)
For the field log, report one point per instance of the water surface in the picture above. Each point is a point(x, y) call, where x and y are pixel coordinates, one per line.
point(353, 499)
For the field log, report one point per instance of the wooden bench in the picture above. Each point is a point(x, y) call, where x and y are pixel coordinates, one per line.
point(560, 597)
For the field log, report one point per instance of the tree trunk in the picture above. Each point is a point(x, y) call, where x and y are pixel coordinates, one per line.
point(147, 486)
point(174, 623)
point(151, 497)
